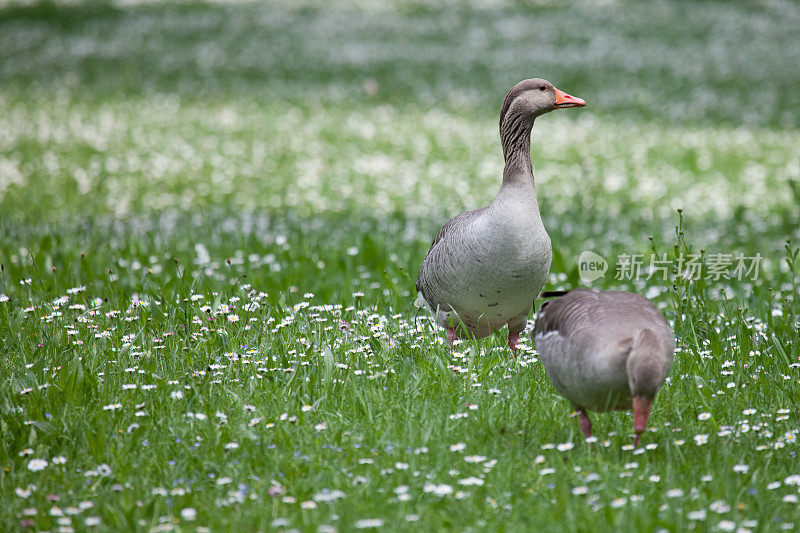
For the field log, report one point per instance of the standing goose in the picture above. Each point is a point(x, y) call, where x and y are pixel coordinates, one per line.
point(486, 266)
point(605, 351)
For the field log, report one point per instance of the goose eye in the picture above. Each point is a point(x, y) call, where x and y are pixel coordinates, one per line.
point(542, 87)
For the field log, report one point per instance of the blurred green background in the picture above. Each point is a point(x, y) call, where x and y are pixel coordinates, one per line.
point(378, 120)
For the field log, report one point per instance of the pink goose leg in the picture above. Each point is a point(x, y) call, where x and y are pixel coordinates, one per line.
point(586, 424)
point(450, 336)
point(513, 340)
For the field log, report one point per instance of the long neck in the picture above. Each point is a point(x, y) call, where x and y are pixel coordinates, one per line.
point(515, 136)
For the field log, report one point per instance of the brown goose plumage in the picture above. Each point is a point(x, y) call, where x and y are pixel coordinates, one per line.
point(605, 351)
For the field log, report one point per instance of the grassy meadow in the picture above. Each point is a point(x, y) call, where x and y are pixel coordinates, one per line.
point(211, 219)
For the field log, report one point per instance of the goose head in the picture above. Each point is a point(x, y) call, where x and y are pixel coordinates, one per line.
point(647, 368)
point(534, 97)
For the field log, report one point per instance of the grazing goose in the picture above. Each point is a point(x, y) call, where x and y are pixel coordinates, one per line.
point(486, 266)
point(605, 351)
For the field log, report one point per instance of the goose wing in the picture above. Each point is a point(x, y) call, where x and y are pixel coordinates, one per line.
point(436, 257)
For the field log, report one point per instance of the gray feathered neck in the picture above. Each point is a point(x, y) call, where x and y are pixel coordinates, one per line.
point(515, 136)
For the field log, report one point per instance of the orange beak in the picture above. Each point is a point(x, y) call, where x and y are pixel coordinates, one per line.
point(641, 412)
point(565, 100)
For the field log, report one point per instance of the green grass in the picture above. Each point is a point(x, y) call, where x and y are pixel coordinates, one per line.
point(221, 221)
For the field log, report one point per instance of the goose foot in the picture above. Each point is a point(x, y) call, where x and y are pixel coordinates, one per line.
point(450, 336)
point(586, 424)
